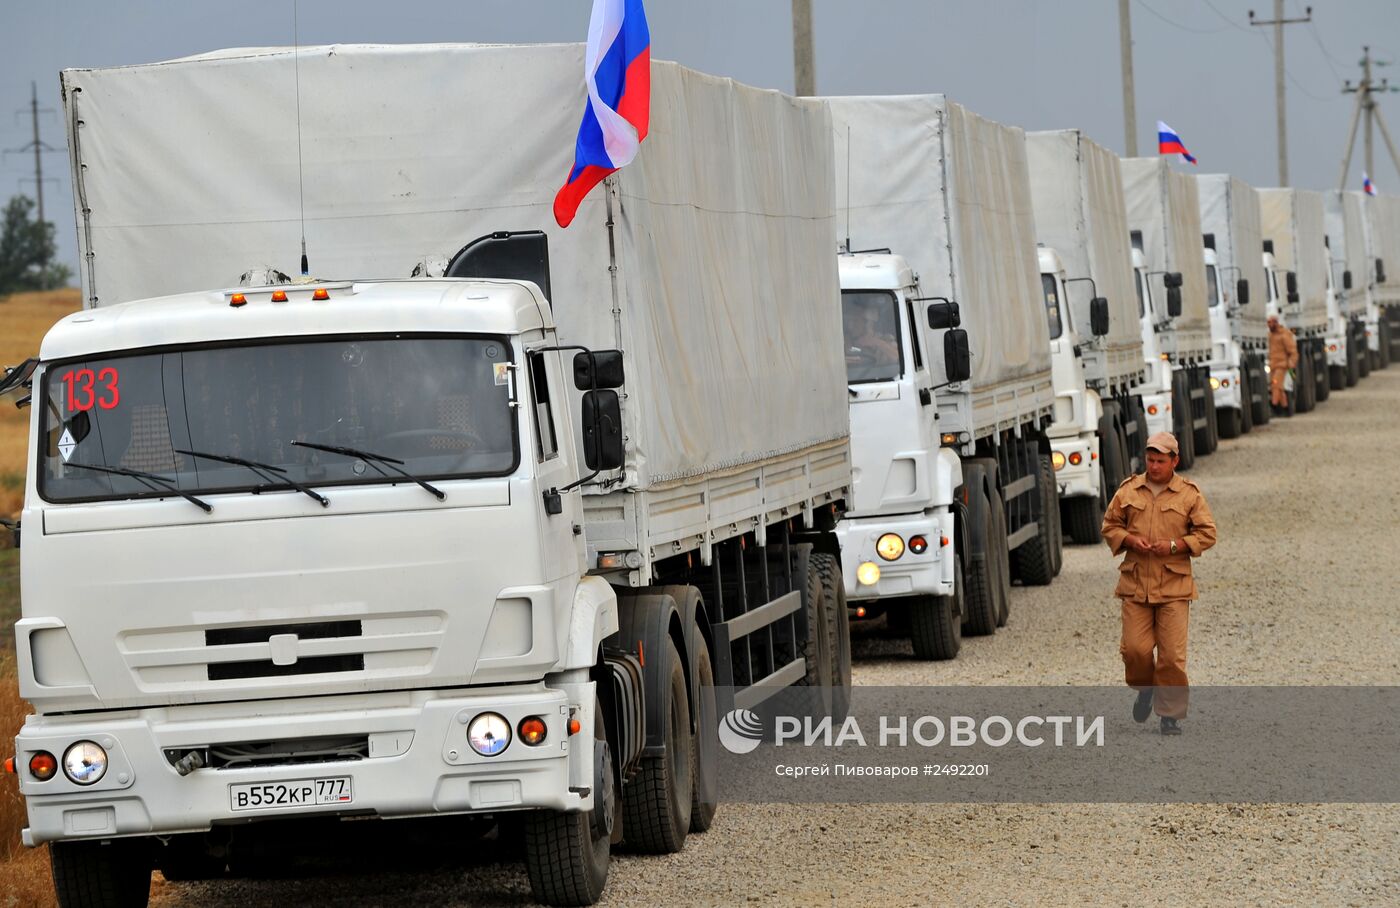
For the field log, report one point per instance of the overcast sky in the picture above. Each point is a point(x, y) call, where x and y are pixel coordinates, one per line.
point(1039, 64)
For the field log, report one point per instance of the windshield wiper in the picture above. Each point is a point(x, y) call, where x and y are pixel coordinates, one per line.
point(373, 460)
point(150, 479)
point(274, 475)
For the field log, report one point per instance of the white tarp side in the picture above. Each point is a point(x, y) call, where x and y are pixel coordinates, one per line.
point(1292, 218)
point(1383, 234)
point(727, 278)
point(1077, 193)
point(949, 191)
point(1230, 212)
point(1162, 204)
point(1344, 220)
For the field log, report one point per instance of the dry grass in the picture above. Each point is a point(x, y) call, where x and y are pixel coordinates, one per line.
point(24, 319)
point(24, 872)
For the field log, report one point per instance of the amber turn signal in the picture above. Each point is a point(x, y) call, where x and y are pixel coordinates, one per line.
point(533, 730)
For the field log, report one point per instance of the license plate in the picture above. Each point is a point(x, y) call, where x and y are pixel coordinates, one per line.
point(298, 793)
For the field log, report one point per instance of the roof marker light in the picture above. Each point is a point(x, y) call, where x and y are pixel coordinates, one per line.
point(279, 296)
point(237, 300)
point(320, 293)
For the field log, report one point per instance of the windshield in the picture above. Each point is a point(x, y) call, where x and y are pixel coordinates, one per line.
point(1142, 303)
point(1052, 305)
point(1212, 287)
point(438, 404)
point(870, 321)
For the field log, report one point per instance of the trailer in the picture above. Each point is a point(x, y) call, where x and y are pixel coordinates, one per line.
point(1237, 299)
point(1295, 238)
point(492, 540)
point(949, 441)
point(1099, 434)
point(1165, 221)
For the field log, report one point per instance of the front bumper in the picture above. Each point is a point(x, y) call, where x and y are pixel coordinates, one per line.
point(1226, 381)
point(1161, 419)
point(1083, 479)
point(928, 574)
point(417, 760)
point(1336, 350)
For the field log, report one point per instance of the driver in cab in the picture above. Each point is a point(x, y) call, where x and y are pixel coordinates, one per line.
point(866, 344)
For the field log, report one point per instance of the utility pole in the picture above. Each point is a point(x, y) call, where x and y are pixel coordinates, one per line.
point(804, 72)
point(1366, 105)
point(1278, 22)
point(39, 147)
point(1125, 39)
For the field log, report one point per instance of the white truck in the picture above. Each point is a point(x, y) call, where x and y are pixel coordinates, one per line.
point(1159, 382)
point(1165, 223)
point(1237, 298)
point(357, 549)
point(1295, 244)
point(1344, 216)
point(952, 472)
point(1099, 432)
point(1383, 247)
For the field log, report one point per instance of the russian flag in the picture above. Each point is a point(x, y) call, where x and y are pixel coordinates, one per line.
point(1366, 185)
point(617, 71)
point(1168, 142)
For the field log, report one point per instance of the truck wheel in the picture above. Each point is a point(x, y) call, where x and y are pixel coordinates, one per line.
point(983, 598)
point(817, 649)
point(1181, 421)
point(704, 753)
point(1320, 370)
point(111, 874)
point(1336, 378)
point(1034, 560)
point(1246, 390)
point(1352, 372)
point(1383, 329)
point(567, 854)
point(838, 627)
point(1085, 517)
point(1002, 577)
point(1057, 527)
point(1205, 435)
point(656, 803)
point(1304, 396)
point(935, 625)
point(1229, 420)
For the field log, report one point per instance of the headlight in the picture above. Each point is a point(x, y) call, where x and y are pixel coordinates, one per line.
point(868, 574)
point(85, 763)
point(1214, 383)
point(1057, 460)
point(889, 547)
point(488, 734)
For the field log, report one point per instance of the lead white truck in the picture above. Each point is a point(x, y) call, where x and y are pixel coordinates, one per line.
point(953, 485)
point(1099, 432)
point(1295, 245)
point(1237, 297)
point(1344, 215)
point(366, 549)
point(1165, 223)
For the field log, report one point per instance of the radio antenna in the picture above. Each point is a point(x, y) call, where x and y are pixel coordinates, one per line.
point(848, 188)
point(301, 180)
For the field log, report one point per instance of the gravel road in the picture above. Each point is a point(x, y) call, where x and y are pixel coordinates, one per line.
point(1300, 590)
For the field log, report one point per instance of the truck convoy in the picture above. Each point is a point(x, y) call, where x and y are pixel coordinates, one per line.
point(1296, 251)
point(1098, 434)
point(1345, 220)
point(1165, 223)
point(1236, 295)
point(952, 464)
point(487, 543)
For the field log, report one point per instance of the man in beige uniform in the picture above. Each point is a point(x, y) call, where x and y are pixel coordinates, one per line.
point(1162, 521)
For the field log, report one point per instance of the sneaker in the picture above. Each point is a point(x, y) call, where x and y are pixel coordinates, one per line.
point(1142, 708)
point(1170, 726)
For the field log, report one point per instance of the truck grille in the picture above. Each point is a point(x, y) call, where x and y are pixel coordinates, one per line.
point(266, 668)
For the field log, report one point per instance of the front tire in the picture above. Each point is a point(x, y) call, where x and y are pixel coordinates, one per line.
point(567, 855)
point(935, 625)
point(838, 629)
point(656, 803)
point(1085, 518)
point(1229, 420)
point(93, 874)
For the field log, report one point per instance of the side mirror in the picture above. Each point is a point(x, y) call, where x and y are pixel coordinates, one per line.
point(1346, 280)
point(1242, 291)
point(602, 430)
point(1171, 279)
point(1380, 271)
point(957, 358)
point(1098, 316)
point(598, 369)
point(944, 315)
point(1173, 301)
point(1292, 282)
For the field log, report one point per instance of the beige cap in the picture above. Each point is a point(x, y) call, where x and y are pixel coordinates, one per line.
point(1164, 442)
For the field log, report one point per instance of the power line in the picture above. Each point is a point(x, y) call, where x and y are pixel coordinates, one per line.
point(1185, 28)
point(1228, 21)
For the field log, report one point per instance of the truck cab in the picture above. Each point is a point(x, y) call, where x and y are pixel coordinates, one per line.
point(1156, 388)
point(1337, 336)
point(1226, 353)
point(1074, 432)
point(897, 535)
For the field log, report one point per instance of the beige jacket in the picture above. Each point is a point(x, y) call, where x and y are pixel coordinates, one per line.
point(1179, 512)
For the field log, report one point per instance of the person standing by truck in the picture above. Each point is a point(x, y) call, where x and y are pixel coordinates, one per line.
point(1283, 356)
point(1162, 521)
